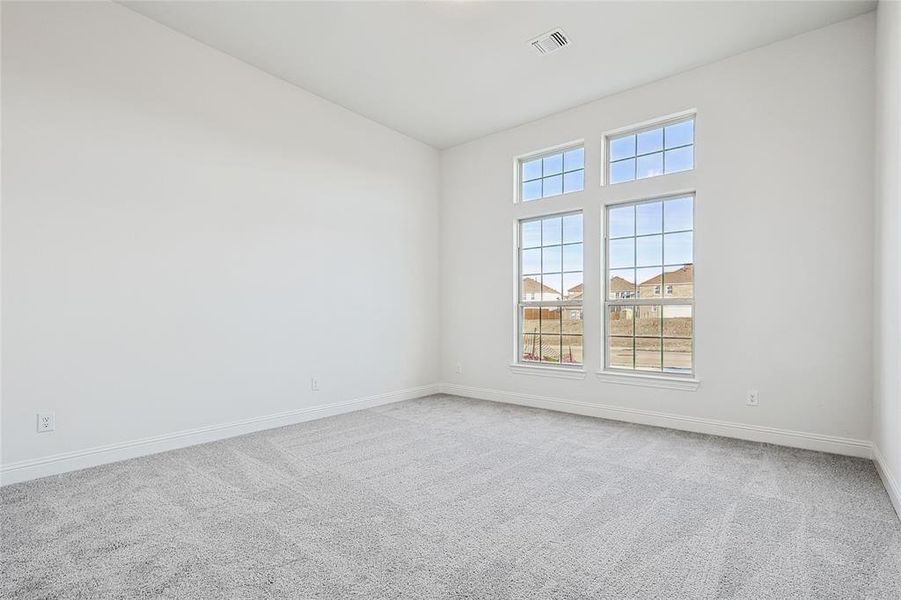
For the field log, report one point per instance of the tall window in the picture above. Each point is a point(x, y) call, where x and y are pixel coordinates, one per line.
point(653, 151)
point(550, 289)
point(649, 300)
point(552, 174)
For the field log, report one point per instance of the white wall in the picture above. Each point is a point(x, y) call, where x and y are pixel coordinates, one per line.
point(784, 253)
point(887, 399)
point(187, 240)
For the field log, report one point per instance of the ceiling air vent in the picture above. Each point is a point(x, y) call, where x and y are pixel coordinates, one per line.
point(550, 41)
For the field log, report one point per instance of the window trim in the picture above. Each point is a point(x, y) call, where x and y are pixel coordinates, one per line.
point(546, 370)
point(649, 379)
point(641, 127)
point(530, 156)
point(518, 365)
point(632, 376)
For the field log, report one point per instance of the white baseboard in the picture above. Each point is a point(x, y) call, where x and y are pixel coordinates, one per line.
point(892, 485)
point(90, 457)
point(756, 433)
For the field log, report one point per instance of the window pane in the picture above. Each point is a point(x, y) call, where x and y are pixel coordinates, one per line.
point(680, 134)
point(650, 141)
point(550, 348)
point(621, 284)
point(677, 355)
point(649, 251)
point(621, 221)
point(681, 278)
point(531, 234)
point(647, 321)
point(574, 182)
point(572, 286)
point(551, 259)
point(531, 261)
point(550, 320)
point(572, 228)
point(530, 288)
point(529, 348)
point(649, 218)
point(622, 253)
point(651, 153)
point(623, 147)
point(623, 170)
point(677, 248)
point(620, 352)
point(574, 159)
point(648, 354)
point(551, 231)
point(530, 339)
point(678, 214)
point(531, 190)
point(677, 321)
point(531, 320)
point(572, 257)
point(649, 280)
point(553, 186)
point(541, 327)
point(650, 165)
point(572, 320)
point(572, 350)
point(682, 159)
point(552, 284)
point(531, 170)
point(620, 319)
point(553, 165)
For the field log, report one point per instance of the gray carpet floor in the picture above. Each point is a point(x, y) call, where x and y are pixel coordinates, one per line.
point(446, 497)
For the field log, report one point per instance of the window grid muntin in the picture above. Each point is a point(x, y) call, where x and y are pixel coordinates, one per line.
point(636, 302)
point(562, 174)
point(562, 304)
point(637, 155)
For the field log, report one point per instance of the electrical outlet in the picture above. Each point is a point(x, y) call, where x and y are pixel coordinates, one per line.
point(459, 369)
point(314, 384)
point(753, 398)
point(46, 422)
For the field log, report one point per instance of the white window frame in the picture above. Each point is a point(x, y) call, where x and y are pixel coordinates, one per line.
point(531, 367)
point(637, 128)
point(686, 381)
point(561, 148)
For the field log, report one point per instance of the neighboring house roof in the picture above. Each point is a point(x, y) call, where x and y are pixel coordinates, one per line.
point(618, 284)
point(574, 292)
point(533, 286)
point(683, 275)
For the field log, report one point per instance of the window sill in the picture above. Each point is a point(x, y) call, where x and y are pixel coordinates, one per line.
point(654, 381)
point(546, 371)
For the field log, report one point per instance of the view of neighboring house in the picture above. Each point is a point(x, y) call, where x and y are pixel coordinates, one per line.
point(621, 289)
point(671, 284)
point(534, 290)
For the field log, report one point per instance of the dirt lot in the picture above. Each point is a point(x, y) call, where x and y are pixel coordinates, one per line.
point(641, 338)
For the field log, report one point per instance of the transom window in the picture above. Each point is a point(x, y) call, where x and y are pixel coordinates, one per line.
point(550, 289)
point(552, 174)
point(653, 151)
point(649, 298)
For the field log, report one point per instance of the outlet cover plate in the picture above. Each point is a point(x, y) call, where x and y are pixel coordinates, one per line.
point(46, 422)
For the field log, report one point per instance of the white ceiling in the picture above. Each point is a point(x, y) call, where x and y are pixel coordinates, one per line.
point(449, 72)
